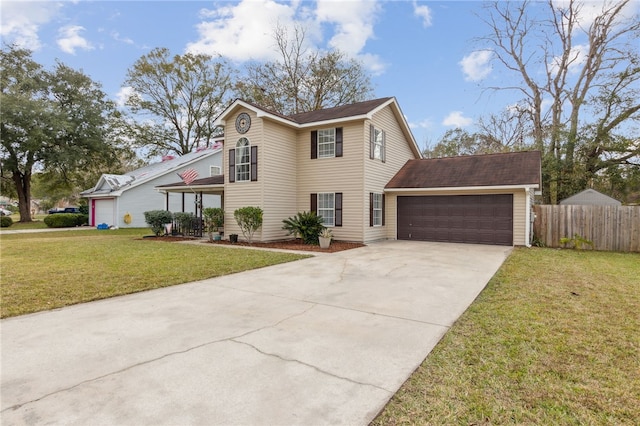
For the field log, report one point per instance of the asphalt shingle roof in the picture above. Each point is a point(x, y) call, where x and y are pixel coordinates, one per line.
point(513, 168)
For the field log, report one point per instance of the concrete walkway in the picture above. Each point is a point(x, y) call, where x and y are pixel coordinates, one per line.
point(322, 341)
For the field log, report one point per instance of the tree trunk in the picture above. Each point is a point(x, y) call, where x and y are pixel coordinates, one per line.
point(23, 187)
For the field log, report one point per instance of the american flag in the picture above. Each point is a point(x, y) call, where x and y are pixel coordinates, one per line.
point(188, 176)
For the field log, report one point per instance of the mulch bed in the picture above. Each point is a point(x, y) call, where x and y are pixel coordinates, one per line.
point(284, 245)
point(296, 245)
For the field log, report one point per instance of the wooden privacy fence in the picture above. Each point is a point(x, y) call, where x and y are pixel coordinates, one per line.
point(610, 228)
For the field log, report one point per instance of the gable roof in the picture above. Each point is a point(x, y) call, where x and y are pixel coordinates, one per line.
point(344, 111)
point(357, 111)
point(115, 184)
point(508, 169)
point(591, 197)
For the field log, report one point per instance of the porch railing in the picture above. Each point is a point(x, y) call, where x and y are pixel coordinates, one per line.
point(193, 228)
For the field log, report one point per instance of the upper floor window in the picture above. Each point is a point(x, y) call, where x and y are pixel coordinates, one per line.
point(377, 144)
point(243, 160)
point(326, 143)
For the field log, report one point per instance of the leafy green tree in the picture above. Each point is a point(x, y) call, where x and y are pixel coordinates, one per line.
point(178, 98)
point(303, 80)
point(55, 122)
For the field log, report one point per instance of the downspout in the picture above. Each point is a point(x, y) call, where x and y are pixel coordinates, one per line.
point(527, 209)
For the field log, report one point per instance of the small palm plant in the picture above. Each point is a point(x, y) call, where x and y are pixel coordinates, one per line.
point(306, 225)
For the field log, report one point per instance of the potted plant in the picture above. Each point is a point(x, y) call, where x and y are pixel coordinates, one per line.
point(325, 238)
point(213, 221)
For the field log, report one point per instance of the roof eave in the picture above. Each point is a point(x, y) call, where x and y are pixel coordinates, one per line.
point(465, 188)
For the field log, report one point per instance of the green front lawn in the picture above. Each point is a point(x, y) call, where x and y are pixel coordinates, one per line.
point(49, 270)
point(554, 339)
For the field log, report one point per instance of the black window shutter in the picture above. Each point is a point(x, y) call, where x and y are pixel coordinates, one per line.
point(372, 139)
point(338, 205)
point(384, 146)
point(383, 209)
point(314, 203)
point(314, 144)
point(254, 163)
point(232, 165)
point(339, 142)
point(371, 209)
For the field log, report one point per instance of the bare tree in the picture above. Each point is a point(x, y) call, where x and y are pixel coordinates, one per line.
point(304, 79)
point(178, 97)
point(587, 71)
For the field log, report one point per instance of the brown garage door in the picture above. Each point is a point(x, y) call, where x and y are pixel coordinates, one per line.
point(477, 219)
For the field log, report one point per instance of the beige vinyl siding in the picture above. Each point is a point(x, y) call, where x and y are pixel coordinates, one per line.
point(519, 207)
point(242, 194)
point(278, 163)
point(340, 174)
point(377, 174)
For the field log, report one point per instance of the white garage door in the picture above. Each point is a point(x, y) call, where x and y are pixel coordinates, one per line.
point(104, 212)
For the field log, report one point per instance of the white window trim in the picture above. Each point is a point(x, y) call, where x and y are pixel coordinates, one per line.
point(215, 170)
point(377, 196)
point(239, 164)
point(379, 145)
point(332, 143)
point(331, 209)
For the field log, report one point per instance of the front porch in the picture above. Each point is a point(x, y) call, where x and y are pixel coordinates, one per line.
point(213, 185)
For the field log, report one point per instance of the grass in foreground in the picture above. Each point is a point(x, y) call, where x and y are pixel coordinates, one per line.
point(553, 339)
point(49, 270)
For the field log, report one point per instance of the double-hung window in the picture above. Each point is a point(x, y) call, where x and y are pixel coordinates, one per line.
point(327, 208)
point(243, 159)
point(326, 143)
point(377, 144)
point(376, 200)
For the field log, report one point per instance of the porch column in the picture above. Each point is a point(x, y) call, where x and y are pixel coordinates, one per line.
point(166, 201)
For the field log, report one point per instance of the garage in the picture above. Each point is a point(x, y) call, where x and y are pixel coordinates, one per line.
point(103, 211)
point(475, 219)
point(475, 199)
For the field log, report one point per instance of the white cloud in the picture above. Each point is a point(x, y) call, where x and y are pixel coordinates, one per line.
point(245, 31)
point(579, 54)
point(123, 95)
point(456, 119)
point(21, 20)
point(427, 123)
point(117, 37)
point(476, 66)
point(69, 39)
point(423, 12)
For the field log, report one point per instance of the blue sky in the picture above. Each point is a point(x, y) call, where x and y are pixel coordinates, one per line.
point(421, 52)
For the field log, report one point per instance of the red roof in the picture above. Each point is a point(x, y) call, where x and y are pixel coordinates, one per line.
point(513, 168)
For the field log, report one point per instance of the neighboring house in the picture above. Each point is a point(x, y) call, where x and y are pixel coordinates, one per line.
point(346, 163)
point(591, 197)
point(121, 200)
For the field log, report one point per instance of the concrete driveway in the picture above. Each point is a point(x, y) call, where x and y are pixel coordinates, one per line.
point(322, 341)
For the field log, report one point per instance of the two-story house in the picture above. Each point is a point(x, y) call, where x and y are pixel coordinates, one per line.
point(356, 166)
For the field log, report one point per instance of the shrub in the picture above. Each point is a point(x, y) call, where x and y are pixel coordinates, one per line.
point(5, 221)
point(66, 220)
point(307, 225)
point(249, 219)
point(157, 219)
